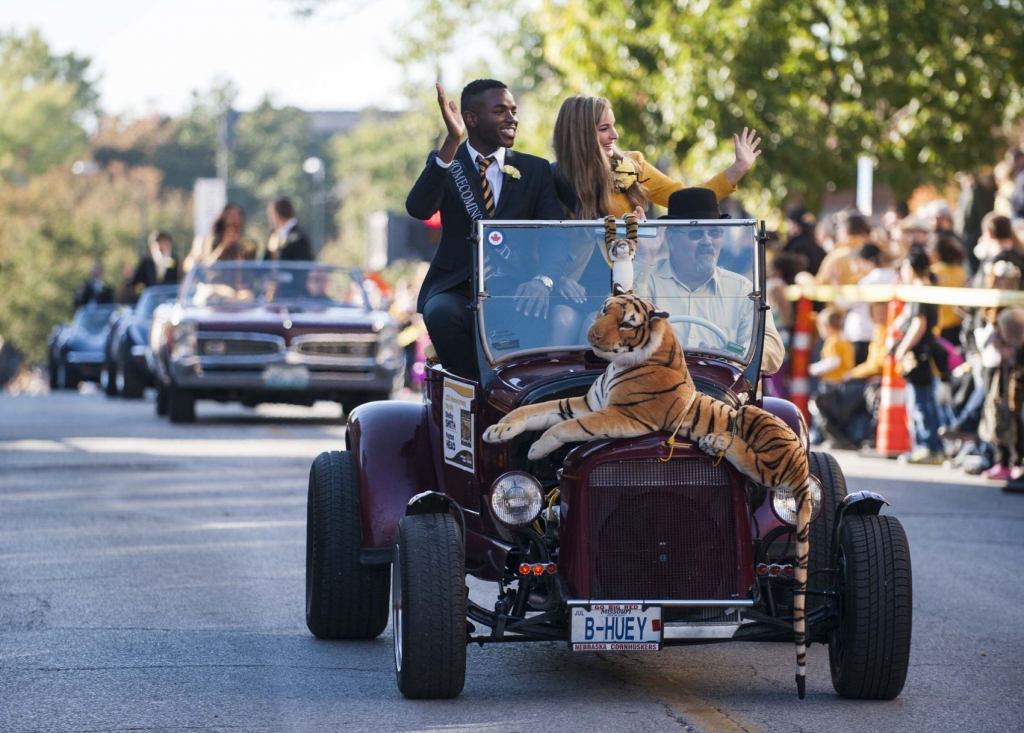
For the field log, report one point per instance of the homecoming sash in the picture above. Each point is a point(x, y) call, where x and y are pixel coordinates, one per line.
point(473, 209)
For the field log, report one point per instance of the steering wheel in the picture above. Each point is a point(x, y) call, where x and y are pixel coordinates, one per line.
point(701, 322)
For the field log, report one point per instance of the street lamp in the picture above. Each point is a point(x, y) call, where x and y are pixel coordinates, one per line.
point(315, 167)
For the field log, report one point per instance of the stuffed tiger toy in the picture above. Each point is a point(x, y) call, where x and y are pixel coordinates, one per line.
point(621, 252)
point(647, 387)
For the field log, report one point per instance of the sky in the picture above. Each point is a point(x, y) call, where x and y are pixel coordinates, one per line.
point(150, 55)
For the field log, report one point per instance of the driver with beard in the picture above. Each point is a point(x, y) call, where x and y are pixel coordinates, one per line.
point(689, 281)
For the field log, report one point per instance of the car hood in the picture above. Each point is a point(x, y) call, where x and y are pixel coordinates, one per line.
point(287, 320)
point(82, 341)
point(543, 377)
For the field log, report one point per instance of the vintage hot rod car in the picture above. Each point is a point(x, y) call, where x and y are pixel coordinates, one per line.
point(291, 332)
point(628, 545)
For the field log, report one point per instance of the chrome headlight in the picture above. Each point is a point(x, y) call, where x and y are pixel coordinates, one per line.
point(784, 503)
point(184, 340)
point(516, 499)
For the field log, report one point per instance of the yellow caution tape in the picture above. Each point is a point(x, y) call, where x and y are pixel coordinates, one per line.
point(966, 297)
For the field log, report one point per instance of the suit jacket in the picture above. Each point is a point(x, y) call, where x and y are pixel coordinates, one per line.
point(530, 197)
point(296, 246)
point(88, 293)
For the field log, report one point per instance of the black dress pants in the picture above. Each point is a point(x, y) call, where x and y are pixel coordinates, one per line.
point(452, 329)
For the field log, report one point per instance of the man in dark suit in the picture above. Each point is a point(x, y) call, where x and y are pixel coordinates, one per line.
point(288, 241)
point(479, 179)
point(94, 290)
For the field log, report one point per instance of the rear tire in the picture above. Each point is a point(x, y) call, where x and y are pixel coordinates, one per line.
point(833, 484)
point(108, 379)
point(181, 404)
point(161, 400)
point(344, 598)
point(130, 383)
point(869, 646)
point(428, 591)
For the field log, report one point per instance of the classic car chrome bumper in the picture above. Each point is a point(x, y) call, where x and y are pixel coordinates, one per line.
point(284, 375)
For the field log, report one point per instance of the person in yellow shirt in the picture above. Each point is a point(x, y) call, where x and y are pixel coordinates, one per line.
point(947, 265)
point(595, 178)
point(831, 400)
point(841, 266)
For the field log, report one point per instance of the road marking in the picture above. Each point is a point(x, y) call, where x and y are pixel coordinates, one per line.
point(34, 446)
point(259, 448)
point(698, 710)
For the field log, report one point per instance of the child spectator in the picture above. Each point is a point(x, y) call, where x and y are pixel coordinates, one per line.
point(831, 399)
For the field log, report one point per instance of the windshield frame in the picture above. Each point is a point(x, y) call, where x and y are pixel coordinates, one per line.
point(750, 362)
point(186, 296)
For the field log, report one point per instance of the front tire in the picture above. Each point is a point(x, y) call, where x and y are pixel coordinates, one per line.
point(344, 598)
point(833, 484)
point(181, 404)
point(869, 646)
point(428, 590)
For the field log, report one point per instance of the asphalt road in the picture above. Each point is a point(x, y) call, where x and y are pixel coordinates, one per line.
point(152, 578)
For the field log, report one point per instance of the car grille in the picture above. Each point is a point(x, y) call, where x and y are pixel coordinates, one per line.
point(335, 348)
point(236, 347)
point(661, 530)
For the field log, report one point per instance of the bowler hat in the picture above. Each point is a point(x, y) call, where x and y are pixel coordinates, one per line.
point(693, 203)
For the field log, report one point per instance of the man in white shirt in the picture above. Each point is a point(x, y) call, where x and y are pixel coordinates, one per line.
point(689, 282)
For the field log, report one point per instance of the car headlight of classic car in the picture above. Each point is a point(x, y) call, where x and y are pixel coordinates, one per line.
point(184, 340)
point(784, 503)
point(516, 498)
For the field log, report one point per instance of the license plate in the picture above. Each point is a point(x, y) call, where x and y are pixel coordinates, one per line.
point(614, 627)
point(286, 377)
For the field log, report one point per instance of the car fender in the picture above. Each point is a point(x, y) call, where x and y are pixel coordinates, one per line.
point(789, 414)
point(859, 503)
point(391, 446)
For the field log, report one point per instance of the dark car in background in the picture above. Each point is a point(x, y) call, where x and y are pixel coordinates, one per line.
point(289, 332)
point(125, 368)
point(76, 348)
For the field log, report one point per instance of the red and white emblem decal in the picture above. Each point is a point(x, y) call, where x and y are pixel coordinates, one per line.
point(495, 238)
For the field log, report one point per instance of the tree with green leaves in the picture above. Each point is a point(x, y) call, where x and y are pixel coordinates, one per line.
point(44, 101)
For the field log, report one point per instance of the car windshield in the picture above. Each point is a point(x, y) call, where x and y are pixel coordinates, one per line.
point(286, 283)
point(151, 298)
point(93, 320)
point(703, 273)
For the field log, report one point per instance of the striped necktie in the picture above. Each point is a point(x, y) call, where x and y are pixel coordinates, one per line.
point(484, 164)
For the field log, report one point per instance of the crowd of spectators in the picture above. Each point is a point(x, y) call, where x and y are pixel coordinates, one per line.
point(963, 366)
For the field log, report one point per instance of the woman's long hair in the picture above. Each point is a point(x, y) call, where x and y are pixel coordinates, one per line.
point(583, 163)
point(220, 224)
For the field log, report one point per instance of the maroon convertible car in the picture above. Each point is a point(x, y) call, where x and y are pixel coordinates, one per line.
point(610, 545)
point(292, 332)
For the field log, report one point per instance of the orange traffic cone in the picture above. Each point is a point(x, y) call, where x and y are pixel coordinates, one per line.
point(800, 357)
point(892, 437)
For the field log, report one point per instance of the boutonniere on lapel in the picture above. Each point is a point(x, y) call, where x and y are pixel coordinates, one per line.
point(511, 171)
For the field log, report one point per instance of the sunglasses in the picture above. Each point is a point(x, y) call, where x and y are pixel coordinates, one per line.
point(695, 235)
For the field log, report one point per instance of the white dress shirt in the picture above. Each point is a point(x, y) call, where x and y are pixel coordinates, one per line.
point(723, 300)
point(494, 175)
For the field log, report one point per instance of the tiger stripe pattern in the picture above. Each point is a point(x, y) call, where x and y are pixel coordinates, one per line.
point(646, 388)
point(621, 252)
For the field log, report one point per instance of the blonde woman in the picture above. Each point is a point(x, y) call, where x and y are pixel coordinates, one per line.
point(594, 178)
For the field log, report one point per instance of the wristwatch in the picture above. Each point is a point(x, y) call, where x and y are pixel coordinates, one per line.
point(545, 281)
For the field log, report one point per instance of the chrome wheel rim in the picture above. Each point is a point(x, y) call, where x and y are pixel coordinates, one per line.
point(396, 605)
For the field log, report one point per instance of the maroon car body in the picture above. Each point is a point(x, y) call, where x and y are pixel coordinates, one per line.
point(660, 533)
